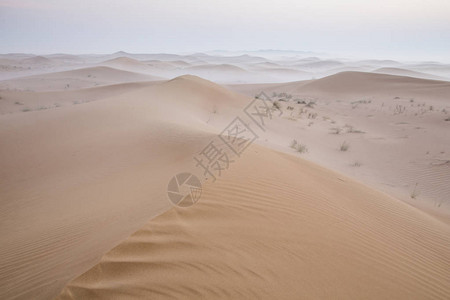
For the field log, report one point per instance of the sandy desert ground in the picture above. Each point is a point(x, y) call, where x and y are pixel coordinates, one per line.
point(342, 193)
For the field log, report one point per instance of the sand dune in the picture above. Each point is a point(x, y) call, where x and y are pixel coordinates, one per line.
point(74, 79)
point(266, 64)
point(80, 175)
point(97, 172)
point(405, 72)
point(128, 64)
point(283, 229)
point(217, 68)
point(370, 84)
point(395, 127)
point(219, 72)
point(320, 65)
point(380, 62)
point(23, 101)
point(179, 63)
point(164, 65)
point(36, 60)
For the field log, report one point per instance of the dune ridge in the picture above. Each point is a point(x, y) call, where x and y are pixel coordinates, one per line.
point(75, 79)
point(378, 84)
point(59, 163)
point(283, 229)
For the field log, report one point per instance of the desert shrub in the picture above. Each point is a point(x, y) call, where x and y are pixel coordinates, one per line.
point(351, 129)
point(293, 144)
point(356, 164)
point(312, 115)
point(336, 130)
point(277, 105)
point(399, 109)
point(301, 148)
point(414, 194)
point(311, 104)
point(344, 146)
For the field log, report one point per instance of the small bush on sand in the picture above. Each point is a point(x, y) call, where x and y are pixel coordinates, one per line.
point(356, 164)
point(293, 144)
point(301, 148)
point(414, 193)
point(336, 130)
point(311, 104)
point(344, 146)
point(277, 105)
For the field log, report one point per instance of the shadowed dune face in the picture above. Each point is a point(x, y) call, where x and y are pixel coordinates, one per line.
point(75, 180)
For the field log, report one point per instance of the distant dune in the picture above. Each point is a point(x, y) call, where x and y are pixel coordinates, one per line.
point(326, 64)
point(267, 65)
point(40, 60)
point(380, 62)
point(217, 68)
point(405, 72)
point(166, 65)
point(126, 63)
point(20, 101)
point(376, 84)
point(179, 63)
point(74, 79)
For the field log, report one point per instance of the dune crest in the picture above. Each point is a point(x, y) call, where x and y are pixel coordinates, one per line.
point(282, 229)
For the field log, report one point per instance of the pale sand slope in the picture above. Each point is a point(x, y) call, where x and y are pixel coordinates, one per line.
point(76, 180)
point(395, 128)
point(131, 65)
point(74, 79)
point(278, 227)
point(406, 72)
point(22, 101)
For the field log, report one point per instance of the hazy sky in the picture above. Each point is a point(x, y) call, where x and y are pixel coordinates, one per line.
point(409, 29)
